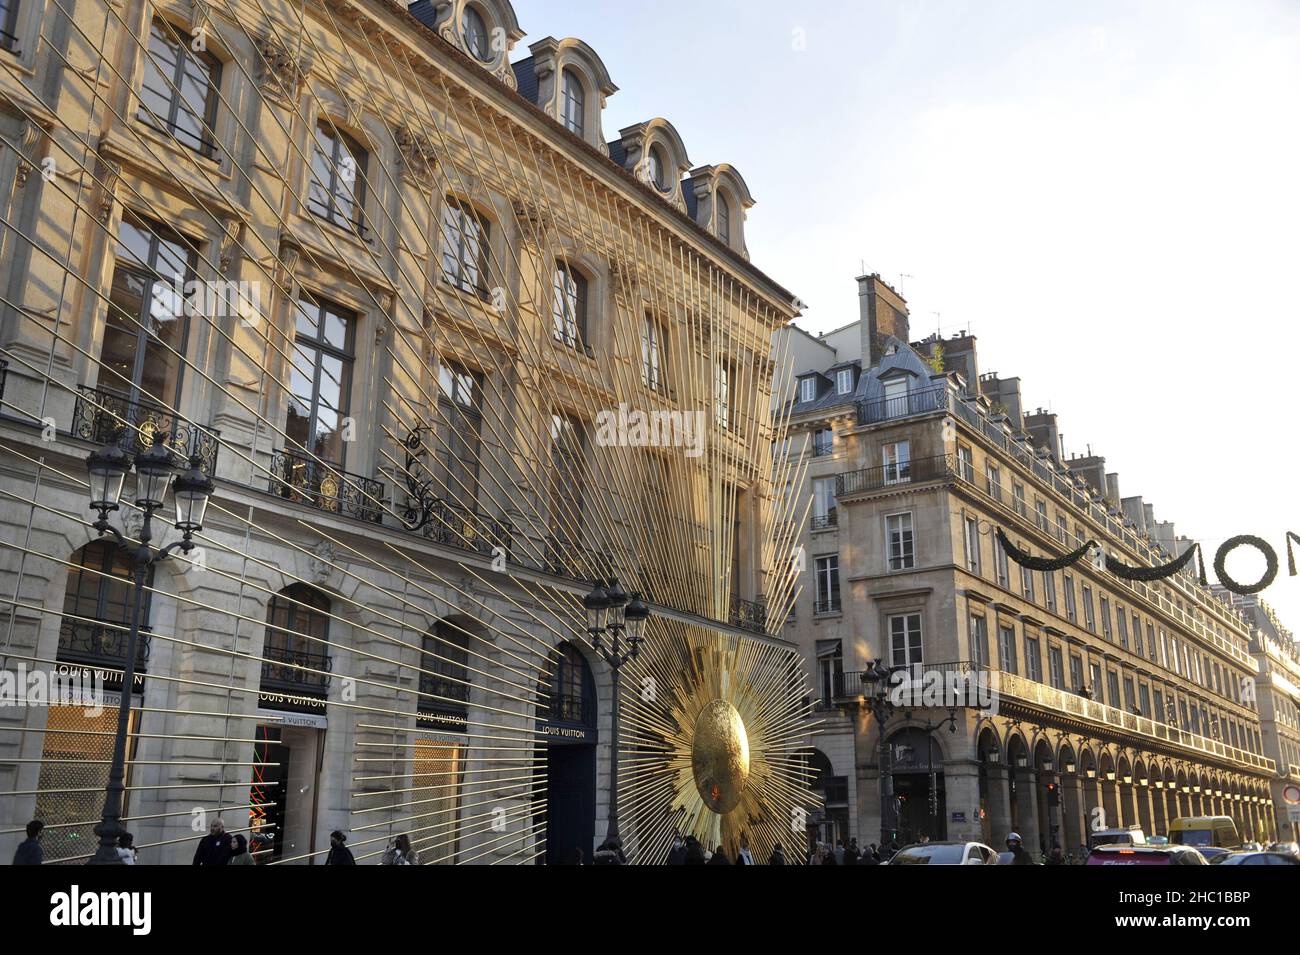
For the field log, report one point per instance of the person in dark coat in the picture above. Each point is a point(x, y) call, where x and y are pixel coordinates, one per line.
point(677, 852)
point(339, 854)
point(1018, 854)
point(852, 855)
point(870, 855)
point(719, 857)
point(609, 852)
point(694, 851)
point(29, 851)
point(215, 847)
point(778, 856)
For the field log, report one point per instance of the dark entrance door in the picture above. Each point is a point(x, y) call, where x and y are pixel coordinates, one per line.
point(915, 819)
point(568, 724)
point(570, 802)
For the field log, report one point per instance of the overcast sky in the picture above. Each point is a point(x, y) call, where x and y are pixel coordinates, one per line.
point(1107, 194)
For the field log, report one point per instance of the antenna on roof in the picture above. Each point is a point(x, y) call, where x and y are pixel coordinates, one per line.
point(938, 325)
point(901, 276)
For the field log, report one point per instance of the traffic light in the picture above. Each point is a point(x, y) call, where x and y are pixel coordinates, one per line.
point(1053, 795)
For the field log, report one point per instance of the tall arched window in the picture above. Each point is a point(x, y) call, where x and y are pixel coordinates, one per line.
point(444, 671)
point(569, 310)
point(572, 688)
point(574, 102)
point(724, 218)
point(297, 628)
point(100, 592)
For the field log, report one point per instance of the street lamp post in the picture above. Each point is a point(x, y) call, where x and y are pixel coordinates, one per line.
point(609, 613)
point(877, 677)
point(191, 490)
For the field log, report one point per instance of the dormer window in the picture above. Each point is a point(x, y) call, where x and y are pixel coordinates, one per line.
point(574, 102)
point(808, 389)
point(844, 381)
point(477, 39)
point(724, 219)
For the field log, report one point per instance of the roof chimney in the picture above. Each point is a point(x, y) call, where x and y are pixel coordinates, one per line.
point(884, 313)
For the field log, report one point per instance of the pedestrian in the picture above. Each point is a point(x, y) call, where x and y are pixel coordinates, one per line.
point(214, 848)
point(870, 855)
point(576, 857)
point(694, 851)
point(852, 855)
point(828, 855)
point(744, 856)
point(778, 855)
point(609, 852)
point(719, 857)
point(29, 851)
point(1018, 854)
point(400, 853)
point(339, 854)
point(239, 854)
point(839, 852)
point(677, 851)
point(126, 848)
point(1056, 856)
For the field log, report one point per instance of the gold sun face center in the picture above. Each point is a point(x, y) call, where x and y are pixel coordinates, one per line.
point(720, 756)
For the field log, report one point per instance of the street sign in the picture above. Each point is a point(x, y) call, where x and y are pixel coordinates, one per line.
point(1291, 793)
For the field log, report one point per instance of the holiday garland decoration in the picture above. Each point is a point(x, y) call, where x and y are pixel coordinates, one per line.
point(1047, 564)
point(1270, 559)
point(1162, 571)
point(1148, 574)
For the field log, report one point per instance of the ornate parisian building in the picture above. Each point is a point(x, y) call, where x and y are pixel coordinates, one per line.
point(450, 351)
point(1063, 701)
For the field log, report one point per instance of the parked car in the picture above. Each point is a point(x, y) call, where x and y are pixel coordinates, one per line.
point(1145, 855)
point(1204, 831)
point(1212, 852)
point(945, 853)
point(1286, 848)
point(1124, 836)
point(1254, 858)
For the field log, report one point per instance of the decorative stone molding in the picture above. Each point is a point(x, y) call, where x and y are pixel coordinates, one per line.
point(531, 217)
point(283, 73)
point(320, 565)
point(419, 156)
point(110, 173)
point(29, 151)
point(288, 257)
point(661, 137)
point(231, 232)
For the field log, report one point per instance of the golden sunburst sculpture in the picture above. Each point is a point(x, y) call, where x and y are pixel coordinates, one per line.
point(715, 731)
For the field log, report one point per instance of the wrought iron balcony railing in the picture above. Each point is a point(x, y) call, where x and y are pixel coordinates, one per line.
point(569, 708)
point(939, 467)
point(821, 522)
point(439, 692)
point(748, 614)
point(903, 406)
point(99, 414)
point(101, 645)
point(304, 480)
point(464, 528)
point(294, 672)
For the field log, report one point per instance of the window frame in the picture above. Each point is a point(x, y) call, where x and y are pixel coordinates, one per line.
point(175, 84)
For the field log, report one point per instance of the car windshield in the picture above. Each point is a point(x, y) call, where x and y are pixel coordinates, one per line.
point(929, 855)
point(1112, 838)
point(1192, 837)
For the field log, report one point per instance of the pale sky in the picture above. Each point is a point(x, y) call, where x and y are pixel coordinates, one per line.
point(1106, 193)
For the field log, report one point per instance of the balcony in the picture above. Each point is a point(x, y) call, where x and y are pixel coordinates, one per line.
point(101, 645)
point(294, 672)
point(99, 415)
point(903, 406)
point(821, 522)
point(463, 528)
point(318, 484)
point(1011, 688)
point(939, 467)
point(575, 709)
point(748, 614)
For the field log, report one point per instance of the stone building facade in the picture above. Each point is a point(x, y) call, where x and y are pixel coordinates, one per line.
point(382, 283)
point(1062, 702)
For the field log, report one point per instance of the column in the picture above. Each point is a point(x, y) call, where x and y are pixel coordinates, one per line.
point(961, 789)
point(1027, 810)
point(1073, 817)
point(998, 804)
